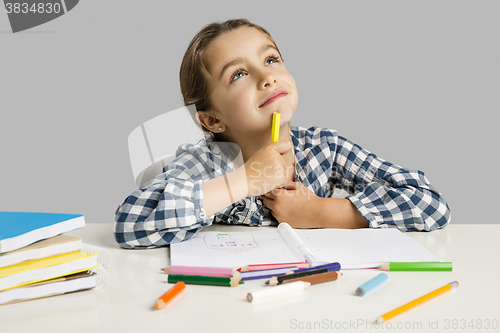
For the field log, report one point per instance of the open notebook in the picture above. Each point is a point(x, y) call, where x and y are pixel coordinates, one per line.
point(358, 248)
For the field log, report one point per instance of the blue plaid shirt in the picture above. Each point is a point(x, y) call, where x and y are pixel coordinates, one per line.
point(169, 208)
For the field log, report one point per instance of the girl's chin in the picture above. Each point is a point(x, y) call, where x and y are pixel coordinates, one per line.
point(286, 113)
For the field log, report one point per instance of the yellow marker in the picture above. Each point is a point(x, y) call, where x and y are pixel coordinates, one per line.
point(275, 134)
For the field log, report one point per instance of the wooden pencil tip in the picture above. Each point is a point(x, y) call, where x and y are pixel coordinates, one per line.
point(385, 267)
point(235, 281)
point(159, 304)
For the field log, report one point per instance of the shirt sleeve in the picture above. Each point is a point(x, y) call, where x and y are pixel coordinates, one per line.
point(167, 209)
point(386, 194)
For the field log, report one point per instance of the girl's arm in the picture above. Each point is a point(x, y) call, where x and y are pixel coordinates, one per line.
point(168, 209)
point(264, 171)
point(216, 195)
point(178, 203)
point(385, 194)
point(339, 213)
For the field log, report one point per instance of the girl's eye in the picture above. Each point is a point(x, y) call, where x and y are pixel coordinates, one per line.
point(240, 73)
point(272, 60)
point(237, 75)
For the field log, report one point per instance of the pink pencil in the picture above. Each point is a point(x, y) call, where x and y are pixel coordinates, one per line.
point(260, 267)
point(204, 271)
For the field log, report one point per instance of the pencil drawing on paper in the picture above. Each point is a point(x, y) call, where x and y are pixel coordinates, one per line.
point(232, 243)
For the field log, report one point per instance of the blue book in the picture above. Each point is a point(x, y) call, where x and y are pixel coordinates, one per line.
point(19, 229)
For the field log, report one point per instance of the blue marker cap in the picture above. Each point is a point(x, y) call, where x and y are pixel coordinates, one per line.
point(370, 285)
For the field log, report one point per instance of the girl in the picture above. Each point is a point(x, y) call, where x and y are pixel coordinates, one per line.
point(234, 74)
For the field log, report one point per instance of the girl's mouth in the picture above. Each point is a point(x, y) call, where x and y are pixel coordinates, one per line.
point(273, 96)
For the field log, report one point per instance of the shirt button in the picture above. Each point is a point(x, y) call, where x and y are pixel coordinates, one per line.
point(201, 215)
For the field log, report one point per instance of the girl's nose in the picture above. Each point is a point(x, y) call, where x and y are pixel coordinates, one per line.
point(267, 80)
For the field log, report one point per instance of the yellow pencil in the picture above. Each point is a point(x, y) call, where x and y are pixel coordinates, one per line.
point(418, 301)
point(275, 134)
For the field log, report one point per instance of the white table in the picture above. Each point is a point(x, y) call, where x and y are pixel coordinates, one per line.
point(136, 281)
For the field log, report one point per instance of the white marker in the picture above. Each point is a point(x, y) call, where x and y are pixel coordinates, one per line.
point(295, 242)
point(278, 291)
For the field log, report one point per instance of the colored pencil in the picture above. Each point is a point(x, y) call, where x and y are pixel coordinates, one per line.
point(371, 284)
point(418, 301)
point(316, 278)
point(279, 291)
point(265, 274)
point(205, 280)
point(171, 293)
point(275, 280)
point(197, 270)
point(275, 132)
point(334, 266)
point(261, 267)
point(417, 266)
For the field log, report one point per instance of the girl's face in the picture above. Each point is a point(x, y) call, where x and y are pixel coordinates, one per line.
point(249, 83)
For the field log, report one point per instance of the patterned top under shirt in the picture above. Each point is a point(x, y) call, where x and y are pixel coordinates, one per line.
point(169, 208)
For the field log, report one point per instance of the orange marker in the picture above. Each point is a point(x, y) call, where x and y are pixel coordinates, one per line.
point(171, 293)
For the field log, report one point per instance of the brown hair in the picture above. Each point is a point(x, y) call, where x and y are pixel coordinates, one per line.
point(194, 76)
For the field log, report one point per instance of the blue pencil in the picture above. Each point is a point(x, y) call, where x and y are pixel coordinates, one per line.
point(370, 285)
point(334, 266)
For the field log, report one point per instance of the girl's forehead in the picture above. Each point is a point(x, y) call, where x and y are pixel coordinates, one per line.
point(237, 43)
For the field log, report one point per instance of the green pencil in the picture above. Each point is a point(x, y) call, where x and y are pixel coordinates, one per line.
point(416, 266)
point(206, 280)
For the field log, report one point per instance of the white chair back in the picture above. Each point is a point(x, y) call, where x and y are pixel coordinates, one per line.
point(153, 144)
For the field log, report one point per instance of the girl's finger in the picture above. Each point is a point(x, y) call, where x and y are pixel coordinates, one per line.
point(282, 146)
point(292, 186)
point(267, 202)
point(276, 191)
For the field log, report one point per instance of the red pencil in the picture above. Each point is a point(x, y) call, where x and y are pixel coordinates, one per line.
point(261, 267)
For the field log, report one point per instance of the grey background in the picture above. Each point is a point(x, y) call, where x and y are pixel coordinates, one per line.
point(415, 82)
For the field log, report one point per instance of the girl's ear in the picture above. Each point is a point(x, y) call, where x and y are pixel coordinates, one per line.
point(207, 120)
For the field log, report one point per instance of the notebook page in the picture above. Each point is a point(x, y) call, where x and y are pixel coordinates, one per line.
point(357, 248)
point(363, 248)
point(233, 249)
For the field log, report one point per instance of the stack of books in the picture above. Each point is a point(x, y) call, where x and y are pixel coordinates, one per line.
point(38, 260)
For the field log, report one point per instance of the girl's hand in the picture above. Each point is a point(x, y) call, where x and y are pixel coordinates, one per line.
point(294, 204)
point(267, 168)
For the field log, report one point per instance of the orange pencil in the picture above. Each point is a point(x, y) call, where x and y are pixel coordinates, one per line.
point(418, 301)
point(171, 293)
